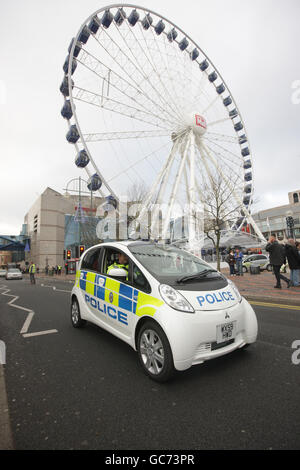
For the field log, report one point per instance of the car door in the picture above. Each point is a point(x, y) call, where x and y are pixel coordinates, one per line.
point(87, 280)
point(122, 297)
point(116, 296)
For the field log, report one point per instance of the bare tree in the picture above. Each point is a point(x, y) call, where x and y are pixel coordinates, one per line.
point(221, 209)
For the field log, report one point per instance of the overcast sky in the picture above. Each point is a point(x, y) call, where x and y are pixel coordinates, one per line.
point(253, 43)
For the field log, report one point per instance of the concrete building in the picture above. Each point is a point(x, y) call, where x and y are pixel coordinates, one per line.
point(45, 225)
point(274, 220)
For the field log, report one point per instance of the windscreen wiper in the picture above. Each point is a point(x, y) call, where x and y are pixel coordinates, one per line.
point(196, 276)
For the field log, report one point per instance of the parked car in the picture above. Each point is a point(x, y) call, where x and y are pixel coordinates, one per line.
point(2, 272)
point(174, 309)
point(13, 273)
point(261, 261)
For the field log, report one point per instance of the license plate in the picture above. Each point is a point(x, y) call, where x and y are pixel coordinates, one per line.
point(226, 332)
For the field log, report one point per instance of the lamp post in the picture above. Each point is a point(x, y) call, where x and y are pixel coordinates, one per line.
point(290, 224)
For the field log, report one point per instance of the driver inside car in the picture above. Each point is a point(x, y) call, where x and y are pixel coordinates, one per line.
point(122, 264)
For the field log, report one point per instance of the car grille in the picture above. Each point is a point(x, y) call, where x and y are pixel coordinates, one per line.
point(215, 346)
point(208, 347)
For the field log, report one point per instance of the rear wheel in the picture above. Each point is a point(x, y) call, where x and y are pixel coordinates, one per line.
point(76, 319)
point(155, 353)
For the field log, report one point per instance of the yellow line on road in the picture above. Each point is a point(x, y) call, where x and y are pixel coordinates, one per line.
point(265, 304)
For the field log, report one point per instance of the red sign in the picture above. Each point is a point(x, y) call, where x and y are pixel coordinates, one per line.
point(200, 121)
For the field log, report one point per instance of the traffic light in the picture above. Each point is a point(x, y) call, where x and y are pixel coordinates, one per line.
point(81, 249)
point(68, 254)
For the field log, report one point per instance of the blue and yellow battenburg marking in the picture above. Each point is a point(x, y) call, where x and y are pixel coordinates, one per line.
point(117, 294)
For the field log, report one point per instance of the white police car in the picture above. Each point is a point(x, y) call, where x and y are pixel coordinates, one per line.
point(169, 305)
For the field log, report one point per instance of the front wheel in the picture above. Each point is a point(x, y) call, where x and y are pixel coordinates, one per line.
point(76, 319)
point(155, 353)
point(245, 270)
point(269, 268)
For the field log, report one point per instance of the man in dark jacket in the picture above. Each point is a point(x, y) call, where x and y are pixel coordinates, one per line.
point(293, 258)
point(277, 259)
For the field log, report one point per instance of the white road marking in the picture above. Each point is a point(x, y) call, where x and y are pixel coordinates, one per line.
point(29, 317)
point(56, 289)
point(39, 333)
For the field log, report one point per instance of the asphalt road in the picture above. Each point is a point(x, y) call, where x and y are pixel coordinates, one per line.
point(84, 389)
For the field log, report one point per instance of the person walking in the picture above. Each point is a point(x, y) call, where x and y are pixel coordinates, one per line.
point(293, 258)
point(238, 256)
point(277, 259)
point(32, 270)
point(231, 261)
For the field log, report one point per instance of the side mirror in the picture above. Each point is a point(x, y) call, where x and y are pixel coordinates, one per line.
point(119, 273)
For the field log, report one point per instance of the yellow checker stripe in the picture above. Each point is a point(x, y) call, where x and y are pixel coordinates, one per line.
point(77, 278)
point(113, 286)
point(147, 305)
point(90, 283)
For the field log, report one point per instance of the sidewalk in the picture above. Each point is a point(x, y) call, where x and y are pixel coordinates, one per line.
point(253, 287)
point(261, 288)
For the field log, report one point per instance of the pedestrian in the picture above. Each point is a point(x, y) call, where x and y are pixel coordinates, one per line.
point(293, 258)
point(56, 269)
point(238, 256)
point(230, 259)
point(32, 272)
point(59, 270)
point(277, 259)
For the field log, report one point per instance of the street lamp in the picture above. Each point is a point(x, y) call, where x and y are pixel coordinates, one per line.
point(290, 224)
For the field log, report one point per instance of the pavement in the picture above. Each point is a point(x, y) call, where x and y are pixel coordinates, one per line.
point(84, 389)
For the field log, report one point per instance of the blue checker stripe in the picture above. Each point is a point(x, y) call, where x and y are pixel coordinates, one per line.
point(82, 281)
point(100, 292)
point(126, 291)
point(100, 280)
point(134, 307)
point(125, 303)
point(135, 295)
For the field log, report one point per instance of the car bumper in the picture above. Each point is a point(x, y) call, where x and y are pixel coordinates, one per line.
point(193, 338)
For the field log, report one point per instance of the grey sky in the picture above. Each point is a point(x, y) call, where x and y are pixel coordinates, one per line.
point(252, 42)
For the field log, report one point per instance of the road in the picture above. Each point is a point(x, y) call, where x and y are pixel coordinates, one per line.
point(84, 389)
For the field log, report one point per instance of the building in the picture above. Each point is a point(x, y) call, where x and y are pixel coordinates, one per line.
point(274, 220)
point(47, 221)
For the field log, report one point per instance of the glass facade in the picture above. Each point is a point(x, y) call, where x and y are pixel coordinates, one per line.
point(80, 231)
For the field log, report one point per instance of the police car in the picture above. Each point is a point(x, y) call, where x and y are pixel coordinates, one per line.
point(174, 309)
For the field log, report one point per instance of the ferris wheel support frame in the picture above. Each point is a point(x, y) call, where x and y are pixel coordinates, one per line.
point(248, 217)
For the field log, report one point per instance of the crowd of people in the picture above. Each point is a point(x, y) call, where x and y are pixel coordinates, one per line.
point(280, 256)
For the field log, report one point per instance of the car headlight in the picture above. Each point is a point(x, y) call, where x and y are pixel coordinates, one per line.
point(235, 290)
point(174, 299)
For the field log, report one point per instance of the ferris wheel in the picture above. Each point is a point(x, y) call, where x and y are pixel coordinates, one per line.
point(144, 103)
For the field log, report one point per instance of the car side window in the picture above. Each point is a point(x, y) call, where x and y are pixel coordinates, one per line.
point(138, 279)
point(110, 256)
point(91, 260)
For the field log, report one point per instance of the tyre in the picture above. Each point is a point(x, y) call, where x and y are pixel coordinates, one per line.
point(269, 268)
point(245, 270)
point(155, 353)
point(76, 319)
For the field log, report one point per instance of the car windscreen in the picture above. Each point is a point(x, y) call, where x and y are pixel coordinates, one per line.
point(14, 271)
point(169, 264)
